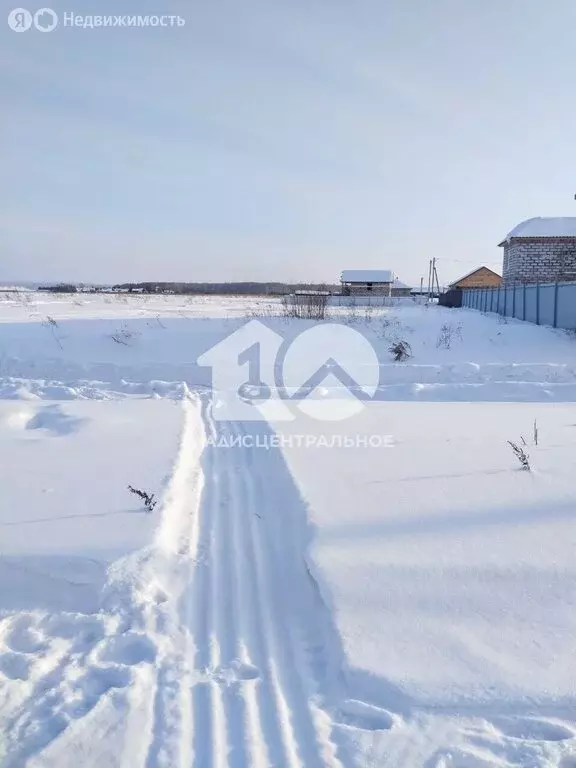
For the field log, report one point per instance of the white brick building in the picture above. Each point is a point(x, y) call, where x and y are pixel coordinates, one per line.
point(366, 282)
point(540, 250)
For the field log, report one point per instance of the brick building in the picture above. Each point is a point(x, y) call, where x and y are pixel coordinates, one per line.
point(482, 277)
point(541, 250)
point(366, 282)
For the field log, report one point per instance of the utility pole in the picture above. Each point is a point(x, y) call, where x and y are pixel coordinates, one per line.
point(429, 279)
point(436, 276)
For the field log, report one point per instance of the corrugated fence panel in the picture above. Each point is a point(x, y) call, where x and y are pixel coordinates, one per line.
point(509, 303)
point(547, 293)
point(519, 303)
point(567, 305)
point(531, 304)
point(500, 301)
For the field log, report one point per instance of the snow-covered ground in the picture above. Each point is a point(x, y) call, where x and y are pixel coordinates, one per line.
point(388, 590)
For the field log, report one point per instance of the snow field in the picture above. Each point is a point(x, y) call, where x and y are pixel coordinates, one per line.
point(409, 607)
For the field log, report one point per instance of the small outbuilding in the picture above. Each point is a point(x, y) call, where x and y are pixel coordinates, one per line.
point(541, 250)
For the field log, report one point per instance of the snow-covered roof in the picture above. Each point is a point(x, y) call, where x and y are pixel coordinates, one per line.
point(399, 284)
point(367, 276)
point(540, 226)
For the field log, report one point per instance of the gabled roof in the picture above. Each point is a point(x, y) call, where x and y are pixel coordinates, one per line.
point(367, 276)
point(540, 226)
point(399, 284)
point(469, 274)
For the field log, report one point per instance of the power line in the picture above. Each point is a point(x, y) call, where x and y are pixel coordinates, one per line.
point(469, 261)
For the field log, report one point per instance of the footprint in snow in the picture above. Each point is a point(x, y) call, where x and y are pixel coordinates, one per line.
point(15, 666)
point(99, 680)
point(129, 649)
point(84, 631)
point(465, 758)
point(532, 729)
point(366, 717)
point(236, 672)
point(23, 637)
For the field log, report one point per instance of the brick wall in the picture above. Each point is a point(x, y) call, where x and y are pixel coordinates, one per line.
point(361, 289)
point(536, 260)
point(482, 278)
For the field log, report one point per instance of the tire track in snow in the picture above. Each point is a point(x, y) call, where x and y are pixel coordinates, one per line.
point(262, 583)
point(265, 702)
point(207, 717)
point(224, 574)
point(279, 560)
point(224, 594)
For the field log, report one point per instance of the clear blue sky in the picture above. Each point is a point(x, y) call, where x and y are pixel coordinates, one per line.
point(283, 139)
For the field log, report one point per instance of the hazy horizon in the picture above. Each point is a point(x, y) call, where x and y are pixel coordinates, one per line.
point(283, 142)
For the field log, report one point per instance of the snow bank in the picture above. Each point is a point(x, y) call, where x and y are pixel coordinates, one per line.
point(66, 513)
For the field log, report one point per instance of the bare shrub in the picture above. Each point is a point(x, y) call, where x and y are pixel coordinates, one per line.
point(391, 329)
point(147, 498)
point(351, 316)
point(124, 335)
point(53, 325)
point(400, 351)
point(263, 311)
point(521, 455)
point(306, 306)
point(158, 322)
point(448, 334)
point(535, 433)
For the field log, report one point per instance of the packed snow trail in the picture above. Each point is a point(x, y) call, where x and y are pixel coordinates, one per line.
point(253, 614)
point(213, 648)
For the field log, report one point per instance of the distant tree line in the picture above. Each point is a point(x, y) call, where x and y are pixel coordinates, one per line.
point(59, 288)
point(245, 288)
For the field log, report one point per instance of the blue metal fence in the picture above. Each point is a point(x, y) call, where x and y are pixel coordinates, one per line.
point(541, 303)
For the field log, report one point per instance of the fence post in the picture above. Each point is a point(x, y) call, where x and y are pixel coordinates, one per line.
point(514, 300)
point(498, 301)
point(505, 300)
point(556, 305)
point(537, 303)
point(524, 304)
